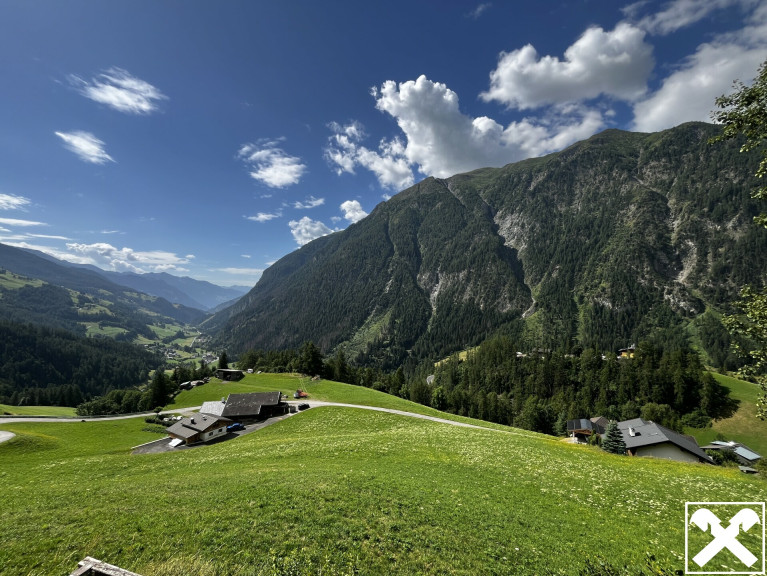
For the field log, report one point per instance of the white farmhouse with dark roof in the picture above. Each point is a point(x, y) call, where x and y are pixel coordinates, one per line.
point(198, 428)
point(645, 438)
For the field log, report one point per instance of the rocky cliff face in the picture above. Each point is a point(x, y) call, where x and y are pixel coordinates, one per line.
point(597, 245)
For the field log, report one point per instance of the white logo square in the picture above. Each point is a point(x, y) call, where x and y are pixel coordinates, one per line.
point(724, 538)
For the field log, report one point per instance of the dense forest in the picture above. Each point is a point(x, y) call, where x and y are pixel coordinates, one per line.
point(50, 366)
point(537, 390)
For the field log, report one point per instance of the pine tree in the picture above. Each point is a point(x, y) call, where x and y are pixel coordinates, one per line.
point(223, 361)
point(613, 441)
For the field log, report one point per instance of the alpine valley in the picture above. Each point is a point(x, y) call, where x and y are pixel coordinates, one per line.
point(597, 246)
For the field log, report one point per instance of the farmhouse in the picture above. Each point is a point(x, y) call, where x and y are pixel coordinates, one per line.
point(645, 438)
point(198, 428)
point(580, 428)
point(248, 406)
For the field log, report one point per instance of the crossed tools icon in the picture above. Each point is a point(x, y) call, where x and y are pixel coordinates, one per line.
point(727, 537)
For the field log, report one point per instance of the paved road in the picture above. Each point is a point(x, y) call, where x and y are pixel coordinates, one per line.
point(312, 403)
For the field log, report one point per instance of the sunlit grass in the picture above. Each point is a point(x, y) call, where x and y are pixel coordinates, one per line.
point(743, 426)
point(35, 411)
point(386, 493)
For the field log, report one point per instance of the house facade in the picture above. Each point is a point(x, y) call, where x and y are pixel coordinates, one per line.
point(645, 438)
point(198, 428)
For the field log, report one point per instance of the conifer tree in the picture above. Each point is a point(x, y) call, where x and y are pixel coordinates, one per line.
point(613, 441)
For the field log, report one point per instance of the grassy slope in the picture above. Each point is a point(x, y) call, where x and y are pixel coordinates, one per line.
point(338, 487)
point(324, 390)
point(36, 410)
point(743, 426)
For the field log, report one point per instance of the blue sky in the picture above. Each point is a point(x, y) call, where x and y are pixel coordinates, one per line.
point(209, 139)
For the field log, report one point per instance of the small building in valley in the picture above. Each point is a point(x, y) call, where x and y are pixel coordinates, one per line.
point(645, 438)
point(198, 428)
point(746, 456)
point(229, 374)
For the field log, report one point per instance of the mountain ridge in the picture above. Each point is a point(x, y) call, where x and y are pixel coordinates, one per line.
point(601, 243)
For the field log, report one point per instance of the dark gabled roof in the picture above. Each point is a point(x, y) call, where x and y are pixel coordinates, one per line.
point(196, 423)
point(249, 404)
point(638, 433)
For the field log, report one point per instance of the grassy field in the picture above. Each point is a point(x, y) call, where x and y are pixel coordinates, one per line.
point(323, 390)
point(340, 491)
point(36, 410)
point(743, 426)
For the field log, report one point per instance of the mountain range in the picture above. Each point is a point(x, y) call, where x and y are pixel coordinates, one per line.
point(598, 245)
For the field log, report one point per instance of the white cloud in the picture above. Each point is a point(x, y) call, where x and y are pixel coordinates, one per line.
point(107, 256)
point(353, 211)
point(241, 271)
point(272, 165)
point(311, 202)
point(306, 230)
point(679, 13)
point(689, 92)
point(613, 63)
point(86, 146)
point(389, 164)
point(13, 202)
point(120, 90)
point(264, 216)
point(20, 223)
point(479, 10)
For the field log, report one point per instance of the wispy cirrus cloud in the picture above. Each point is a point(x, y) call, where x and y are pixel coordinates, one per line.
point(264, 216)
point(310, 202)
point(121, 91)
point(271, 165)
point(20, 223)
point(13, 202)
point(479, 10)
point(305, 230)
point(87, 147)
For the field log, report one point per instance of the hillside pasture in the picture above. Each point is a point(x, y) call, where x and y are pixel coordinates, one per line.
point(341, 491)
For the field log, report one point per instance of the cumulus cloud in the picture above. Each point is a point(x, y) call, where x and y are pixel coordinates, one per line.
point(86, 146)
point(305, 230)
point(107, 256)
point(353, 211)
point(688, 93)
point(311, 202)
point(389, 163)
point(271, 165)
point(121, 91)
point(264, 216)
point(442, 141)
point(13, 202)
point(613, 63)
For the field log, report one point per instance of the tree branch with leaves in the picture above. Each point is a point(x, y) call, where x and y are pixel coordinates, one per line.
point(743, 114)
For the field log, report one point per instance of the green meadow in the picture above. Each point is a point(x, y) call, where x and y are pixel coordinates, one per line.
point(743, 426)
point(336, 490)
point(62, 411)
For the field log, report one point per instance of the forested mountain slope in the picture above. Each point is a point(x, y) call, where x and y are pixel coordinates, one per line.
point(597, 245)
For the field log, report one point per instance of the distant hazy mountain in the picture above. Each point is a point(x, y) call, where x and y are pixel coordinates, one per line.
point(597, 246)
point(176, 289)
point(113, 303)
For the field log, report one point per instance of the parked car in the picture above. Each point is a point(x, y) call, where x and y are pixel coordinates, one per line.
point(303, 406)
point(235, 427)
